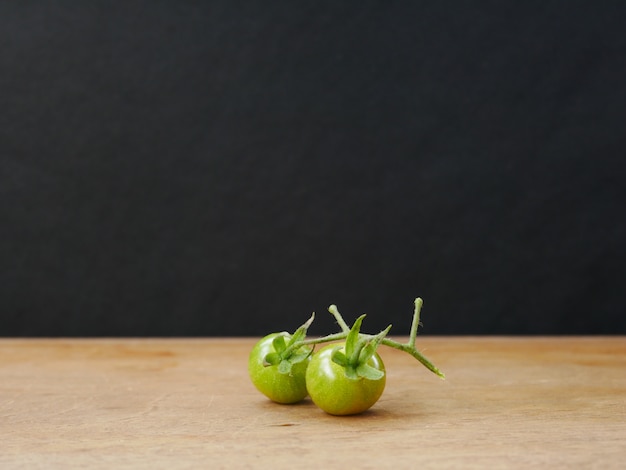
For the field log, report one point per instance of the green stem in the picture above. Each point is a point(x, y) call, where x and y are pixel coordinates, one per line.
point(335, 312)
point(324, 339)
point(416, 320)
point(308, 342)
point(408, 348)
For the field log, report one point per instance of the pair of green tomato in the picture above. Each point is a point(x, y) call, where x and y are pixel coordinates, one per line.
point(317, 375)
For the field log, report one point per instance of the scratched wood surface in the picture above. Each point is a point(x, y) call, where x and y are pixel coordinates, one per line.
point(188, 403)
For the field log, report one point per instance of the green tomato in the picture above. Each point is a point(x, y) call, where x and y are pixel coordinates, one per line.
point(334, 392)
point(275, 385)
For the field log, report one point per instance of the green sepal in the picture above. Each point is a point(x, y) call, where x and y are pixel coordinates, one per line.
point(366, 371)
point(272, 359)
point(351, 373)
point(367, 351)
point(370, 347)
point(279, 344)
point(296, 358)
point(300, 333)
point(285, 366)
point(353, 337)
point(339, 358)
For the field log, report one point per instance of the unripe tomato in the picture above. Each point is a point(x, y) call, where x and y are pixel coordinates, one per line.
point(334, 392)
point(278, 387)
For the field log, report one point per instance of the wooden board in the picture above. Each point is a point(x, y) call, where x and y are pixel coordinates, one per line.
point(188, 403)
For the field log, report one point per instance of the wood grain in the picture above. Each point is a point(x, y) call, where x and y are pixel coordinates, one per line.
point(537, 402)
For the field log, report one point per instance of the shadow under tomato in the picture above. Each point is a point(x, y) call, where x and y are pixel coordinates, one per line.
point(267, 403)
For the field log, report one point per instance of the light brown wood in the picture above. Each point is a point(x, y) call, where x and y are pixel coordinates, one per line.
point(188, 403)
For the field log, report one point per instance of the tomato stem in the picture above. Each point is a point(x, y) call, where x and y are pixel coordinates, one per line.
point(312, 341)
point(416, 320)
point(335, 312)
point(408, 347)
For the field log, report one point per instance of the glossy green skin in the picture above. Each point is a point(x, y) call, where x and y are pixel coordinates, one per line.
point(335, 393)
point(281, 388)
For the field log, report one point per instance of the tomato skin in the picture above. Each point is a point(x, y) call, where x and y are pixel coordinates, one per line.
point(280, 388)
point(335, 393)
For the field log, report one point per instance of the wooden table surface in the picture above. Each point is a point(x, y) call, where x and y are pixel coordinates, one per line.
point(507, 402)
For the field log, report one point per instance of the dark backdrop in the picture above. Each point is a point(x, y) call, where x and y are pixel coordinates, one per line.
point(226, 167)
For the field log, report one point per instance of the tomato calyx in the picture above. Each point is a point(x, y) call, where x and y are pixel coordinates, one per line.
point(357, 351)
point(288, 349)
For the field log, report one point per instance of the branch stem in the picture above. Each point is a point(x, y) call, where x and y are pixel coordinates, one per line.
point(416, 320)
point(408, 347)
point(335, 312)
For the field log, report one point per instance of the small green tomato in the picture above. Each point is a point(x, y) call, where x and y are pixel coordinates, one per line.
point(337, 394)
point(272, 380)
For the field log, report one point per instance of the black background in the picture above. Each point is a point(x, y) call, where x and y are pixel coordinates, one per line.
point(225, 167)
